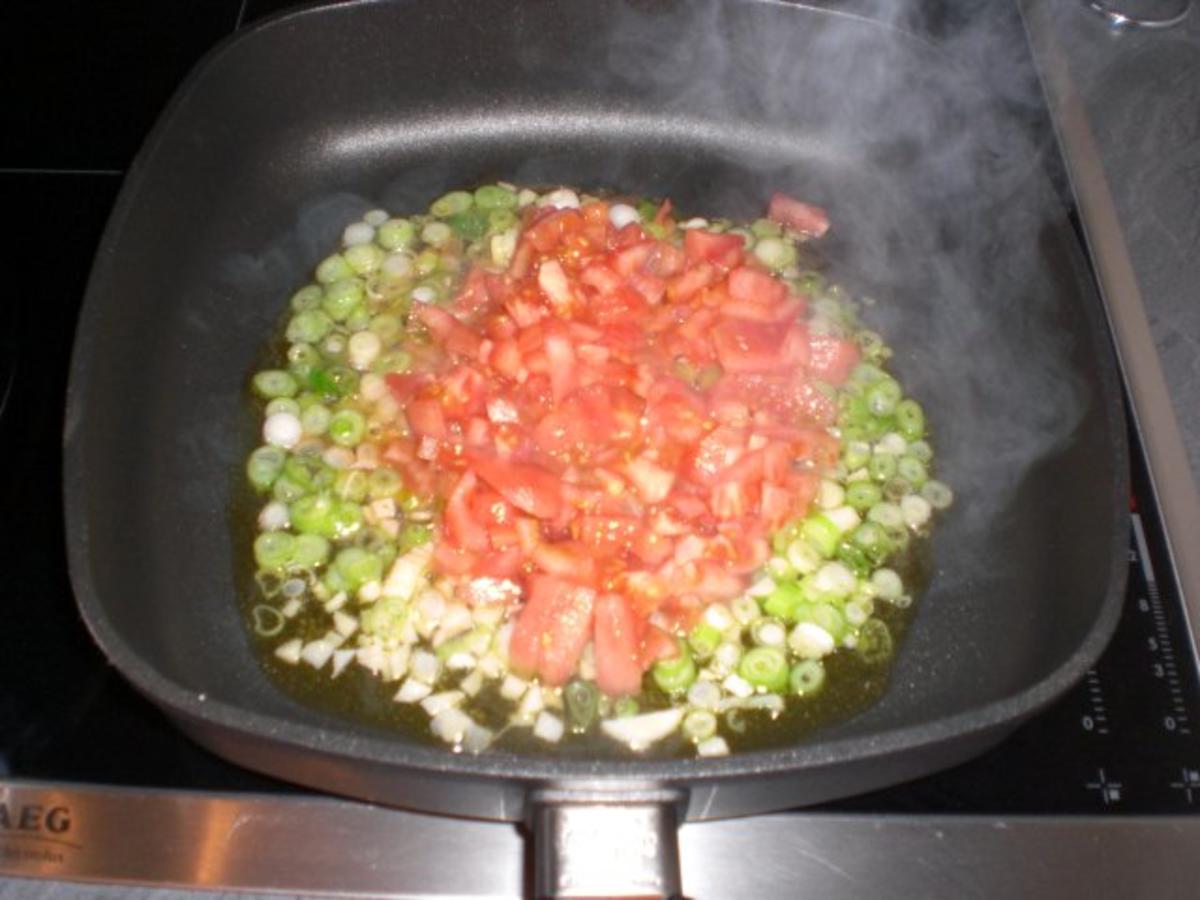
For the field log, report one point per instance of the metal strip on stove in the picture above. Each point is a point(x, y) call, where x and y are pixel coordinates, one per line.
point(318, 846)
point(1166, 458)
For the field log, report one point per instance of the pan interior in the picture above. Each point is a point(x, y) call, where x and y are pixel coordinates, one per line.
point(941, 210)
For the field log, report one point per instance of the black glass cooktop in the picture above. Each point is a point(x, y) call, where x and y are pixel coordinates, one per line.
point(1126, 740)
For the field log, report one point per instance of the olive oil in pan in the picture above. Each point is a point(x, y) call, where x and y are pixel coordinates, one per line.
point(853, 683)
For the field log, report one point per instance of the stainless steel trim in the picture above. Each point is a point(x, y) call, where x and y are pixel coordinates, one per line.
point(316, 846)
point(1166, 458)
point(607, 844)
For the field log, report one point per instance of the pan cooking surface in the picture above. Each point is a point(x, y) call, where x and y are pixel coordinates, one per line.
point(257, 165)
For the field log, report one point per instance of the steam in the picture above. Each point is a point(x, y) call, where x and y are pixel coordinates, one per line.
point(934, 181)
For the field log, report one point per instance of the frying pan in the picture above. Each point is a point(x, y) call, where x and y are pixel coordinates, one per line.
point(943, 209)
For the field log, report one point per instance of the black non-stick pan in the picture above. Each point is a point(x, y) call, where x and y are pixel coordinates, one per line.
point(942, 211)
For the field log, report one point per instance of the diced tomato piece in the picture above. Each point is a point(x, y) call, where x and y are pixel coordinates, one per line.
point(795, 350)
point(552, 629)
point(775, 505)
point(549, 231)
point(525, 645)
point(522, 259)
point(787, 310)
point(505, 359)
point(687, 284)
point(731, 500)
point(529, 534)
point(525, 310)
point(650, 287)
point(716, 582)
point(478, 433)
point(608, 536)
point(501, 564)
point(451, 560)
point(719, 450)
point(405, 385)
point(617, 642)
point(777, 458)
point(601, 278)
point(754, 286)
point(563, 367)
point(653, 482)
point(665, 260)
point(677, 411)
point(747, 470)
point(652, 548)
point(567, 628)
point(657, 644)
point(426, 418)
point(489, 588)
point(744, 346)
point(797, 215)
point(475, 295)
point(453, 334)
point(462, 527)
point(723, 249)
point(595, 212)
point(567, 559)
point(832, 359)
point(528, 487)
point(631, 257)
point(462, 391)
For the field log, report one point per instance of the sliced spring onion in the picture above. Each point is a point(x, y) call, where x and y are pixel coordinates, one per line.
point(937, 494)
point(268, 621)
point(807, 677)
point(765, 667)
point(273, 550)
point(810, 641)
point(674, 676)
point(704, 640)
point(699, 725)
point(704, 695)
point(264, 466)
point(875, 644)
point(581, 700)
point(768, 632)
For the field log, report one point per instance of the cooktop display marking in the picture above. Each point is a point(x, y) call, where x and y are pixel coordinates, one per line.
point(1110, 791)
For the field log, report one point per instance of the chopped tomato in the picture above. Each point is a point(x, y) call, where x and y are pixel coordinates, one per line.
point(725, 250)
point(567, 559)
point(463, 528)
point(453, 334)
point(528, 487)
point(653, 482)
point(832, 359)
point(426, 418)
point(797, 215)
point(658, 644)
point(617, 642)
point(613, 428)
point(744, 346)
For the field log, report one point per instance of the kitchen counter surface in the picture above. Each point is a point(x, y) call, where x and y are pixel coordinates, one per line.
point(79, 99)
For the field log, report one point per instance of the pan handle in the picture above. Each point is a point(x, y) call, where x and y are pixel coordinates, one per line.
point(606, 842)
